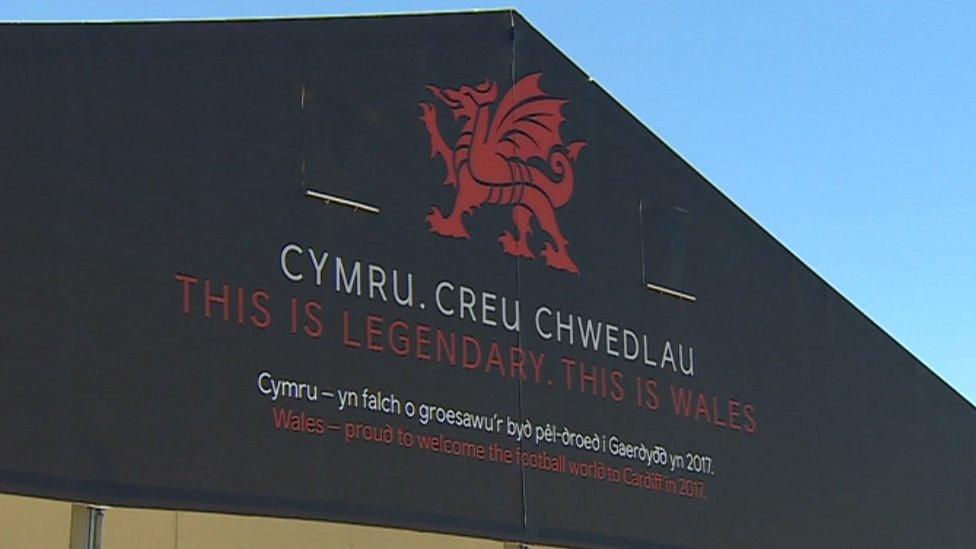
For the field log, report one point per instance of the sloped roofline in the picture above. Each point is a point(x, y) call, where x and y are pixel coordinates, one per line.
point(732, 202)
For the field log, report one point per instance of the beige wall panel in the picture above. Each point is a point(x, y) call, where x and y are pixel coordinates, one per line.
point(31, 523)
point(139, 528)
point(208, 531)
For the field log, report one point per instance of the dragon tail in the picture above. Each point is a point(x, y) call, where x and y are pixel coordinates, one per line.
point(561, 164)
point(573, 150)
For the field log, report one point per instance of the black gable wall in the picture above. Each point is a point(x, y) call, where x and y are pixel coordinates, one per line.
point(146, 166)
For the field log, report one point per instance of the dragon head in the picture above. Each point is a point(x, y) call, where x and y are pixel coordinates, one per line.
point(465, 101)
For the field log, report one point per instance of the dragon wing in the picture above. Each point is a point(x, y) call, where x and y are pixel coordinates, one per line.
point(526, 123)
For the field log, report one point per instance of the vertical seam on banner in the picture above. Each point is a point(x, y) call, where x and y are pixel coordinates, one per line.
point(640, 230)
point(518, 287)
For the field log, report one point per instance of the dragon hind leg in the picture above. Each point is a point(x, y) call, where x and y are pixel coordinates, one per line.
point(470, 196)
point(519, 247)
point(450, 226)
point(556, 256)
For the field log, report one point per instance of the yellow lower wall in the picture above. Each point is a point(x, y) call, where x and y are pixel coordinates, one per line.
point(34, 523)
point(30, 523)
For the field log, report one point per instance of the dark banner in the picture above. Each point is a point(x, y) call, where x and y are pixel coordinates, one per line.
point(420, 271)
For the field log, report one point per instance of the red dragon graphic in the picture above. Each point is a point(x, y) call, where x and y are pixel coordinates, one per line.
point(515, 158)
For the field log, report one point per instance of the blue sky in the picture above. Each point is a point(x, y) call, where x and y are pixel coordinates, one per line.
point(847, 129)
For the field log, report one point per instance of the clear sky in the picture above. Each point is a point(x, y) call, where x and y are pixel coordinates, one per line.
point(847, 129)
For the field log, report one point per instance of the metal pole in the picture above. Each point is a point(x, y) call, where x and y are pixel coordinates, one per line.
point(96, 516)
point(86, 526)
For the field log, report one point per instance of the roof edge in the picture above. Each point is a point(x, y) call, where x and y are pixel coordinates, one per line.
point(732, 202)
point(259, 18)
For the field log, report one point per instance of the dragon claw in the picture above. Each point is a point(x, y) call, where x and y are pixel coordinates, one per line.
point(428, 112)
point(558, 259)
point(445, 226)
point(515, 247)
point(434, 217)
